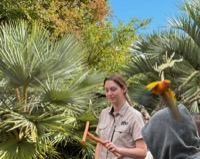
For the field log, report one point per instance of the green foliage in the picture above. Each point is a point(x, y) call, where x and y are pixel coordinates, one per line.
point(174, 53)
point(108, 47)
point(44, 89)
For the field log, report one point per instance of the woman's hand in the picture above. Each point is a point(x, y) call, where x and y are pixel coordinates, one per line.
point(139, 151)
point(111, 146)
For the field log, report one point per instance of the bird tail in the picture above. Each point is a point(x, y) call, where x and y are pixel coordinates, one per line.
point(170, 101)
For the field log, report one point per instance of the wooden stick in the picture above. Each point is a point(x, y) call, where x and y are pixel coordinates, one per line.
point(85, 132)
point(98, 140)
point(94, 138)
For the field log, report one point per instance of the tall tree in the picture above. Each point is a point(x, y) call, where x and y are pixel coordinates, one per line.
point(58, 16)
point(108, 47)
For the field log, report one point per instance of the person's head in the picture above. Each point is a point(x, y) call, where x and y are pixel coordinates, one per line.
point(116, 89)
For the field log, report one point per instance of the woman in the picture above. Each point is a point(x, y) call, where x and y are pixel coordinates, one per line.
point(120, 125)
point(168, 138)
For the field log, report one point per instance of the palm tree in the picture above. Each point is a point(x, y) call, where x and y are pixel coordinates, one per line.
point(45, 89)
point(172, 53)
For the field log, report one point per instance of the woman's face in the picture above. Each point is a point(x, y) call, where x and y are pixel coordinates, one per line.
point(114, 93)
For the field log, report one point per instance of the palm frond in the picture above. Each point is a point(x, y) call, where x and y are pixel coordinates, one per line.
point(15, 149)
point(27, 58)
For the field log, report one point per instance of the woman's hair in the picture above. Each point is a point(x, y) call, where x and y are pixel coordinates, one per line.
point(119, 80)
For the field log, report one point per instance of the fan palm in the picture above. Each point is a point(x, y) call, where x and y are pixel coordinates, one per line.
point(174, 54)
point(45, 88)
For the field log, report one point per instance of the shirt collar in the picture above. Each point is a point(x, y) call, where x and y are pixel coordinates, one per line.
point(122, 110)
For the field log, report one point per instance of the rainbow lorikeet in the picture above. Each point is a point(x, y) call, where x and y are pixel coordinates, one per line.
point(162, 88)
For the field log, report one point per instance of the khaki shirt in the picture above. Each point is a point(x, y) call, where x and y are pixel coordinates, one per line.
point(123, 129)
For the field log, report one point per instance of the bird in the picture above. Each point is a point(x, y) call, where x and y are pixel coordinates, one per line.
point(163, 89)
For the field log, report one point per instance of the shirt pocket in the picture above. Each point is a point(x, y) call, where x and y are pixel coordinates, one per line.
point(103, 131)
point(123, 137)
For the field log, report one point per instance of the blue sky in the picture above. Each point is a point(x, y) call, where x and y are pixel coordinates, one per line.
point(158, 10)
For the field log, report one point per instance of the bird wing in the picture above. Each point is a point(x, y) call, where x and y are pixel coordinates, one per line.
point(153, 85)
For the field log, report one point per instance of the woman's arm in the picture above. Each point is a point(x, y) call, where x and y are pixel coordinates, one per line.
point(139, 152)
point(97, 152)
